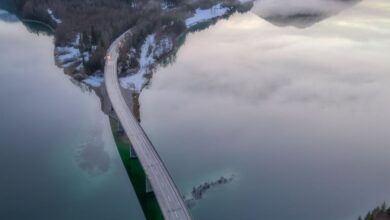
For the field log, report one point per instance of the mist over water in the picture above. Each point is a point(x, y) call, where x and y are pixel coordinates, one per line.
point(298, 113)
point(301, 14)
point(58, 159)
point(291, 99)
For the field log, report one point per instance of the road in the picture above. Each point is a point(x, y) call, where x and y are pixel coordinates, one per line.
point(165, 190)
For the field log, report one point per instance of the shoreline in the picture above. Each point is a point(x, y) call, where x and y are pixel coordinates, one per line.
point(73, 56)
point(52, 29)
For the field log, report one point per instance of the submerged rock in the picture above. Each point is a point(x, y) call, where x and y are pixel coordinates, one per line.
point(199, 191)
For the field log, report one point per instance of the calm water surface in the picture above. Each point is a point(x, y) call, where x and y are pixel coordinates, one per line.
point(296, 107)
point(58, 159)
point(297, 110)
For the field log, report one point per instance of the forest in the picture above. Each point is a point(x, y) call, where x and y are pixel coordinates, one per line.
point(99, 22)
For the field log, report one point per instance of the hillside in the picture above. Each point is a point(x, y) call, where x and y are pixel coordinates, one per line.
point(85, 28)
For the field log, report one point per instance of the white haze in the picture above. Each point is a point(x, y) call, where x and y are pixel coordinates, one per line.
point(268, 8)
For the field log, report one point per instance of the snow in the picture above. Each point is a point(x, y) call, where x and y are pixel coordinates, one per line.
point(76, 42)
point(167, 5)
point(79, 67)
point(150, 49)
point(57, 20)
point(163, 46)
point(137, 81)
point(164, 6)
point(86, 56)
point(146, 57)
point(94, 81)
point(67, 56)
point(202, 15)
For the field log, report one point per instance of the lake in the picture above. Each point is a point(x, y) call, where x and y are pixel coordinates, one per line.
point(58, 159)
point(291, 100)
point(296, 109)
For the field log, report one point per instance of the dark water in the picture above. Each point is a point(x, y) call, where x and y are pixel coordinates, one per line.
point(58, 159)
point(297, 109)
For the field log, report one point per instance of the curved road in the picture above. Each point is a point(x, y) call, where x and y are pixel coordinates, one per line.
point(167, 194)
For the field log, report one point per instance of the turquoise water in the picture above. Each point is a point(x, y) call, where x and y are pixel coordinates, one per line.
point(58, 159)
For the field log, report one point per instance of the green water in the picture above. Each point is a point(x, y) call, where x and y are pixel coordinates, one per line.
point(137, 176)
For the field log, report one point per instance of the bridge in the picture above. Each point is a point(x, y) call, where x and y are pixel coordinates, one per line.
point(170, 201)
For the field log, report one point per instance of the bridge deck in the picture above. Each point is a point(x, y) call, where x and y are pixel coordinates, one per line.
point(167, 194)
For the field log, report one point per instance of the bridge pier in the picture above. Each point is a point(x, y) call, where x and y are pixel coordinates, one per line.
point(119, 127)
point(170, 201)
point(148, 186)
point(133, 154)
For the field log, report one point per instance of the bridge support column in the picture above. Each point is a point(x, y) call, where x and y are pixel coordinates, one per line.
point(119, 126)
point(148, 186)
point(132, 152)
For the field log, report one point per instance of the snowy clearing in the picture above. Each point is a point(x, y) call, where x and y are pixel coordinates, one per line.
point(94, 81)
point(137, 80)
point(149, 50)
point(202, 15)
point(67, 56)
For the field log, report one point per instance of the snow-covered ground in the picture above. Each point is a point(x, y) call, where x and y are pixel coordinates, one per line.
point(94, 80)
point(202, 15)
point(164, 6)
point(150, 49)
point(69, 55)
point(55, 19)
point(66, 56)
point(137, 81)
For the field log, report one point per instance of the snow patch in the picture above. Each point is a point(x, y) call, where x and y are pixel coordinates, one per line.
point(202, 15)
point(55, 19)
point(86, 56)
point(134, 82)
point(146, 57)
point(137, 81)
point(94, 81)
point(76, 41)
point(150, 50)
point(164, 5)
point(68, 55)
point(163, 46)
